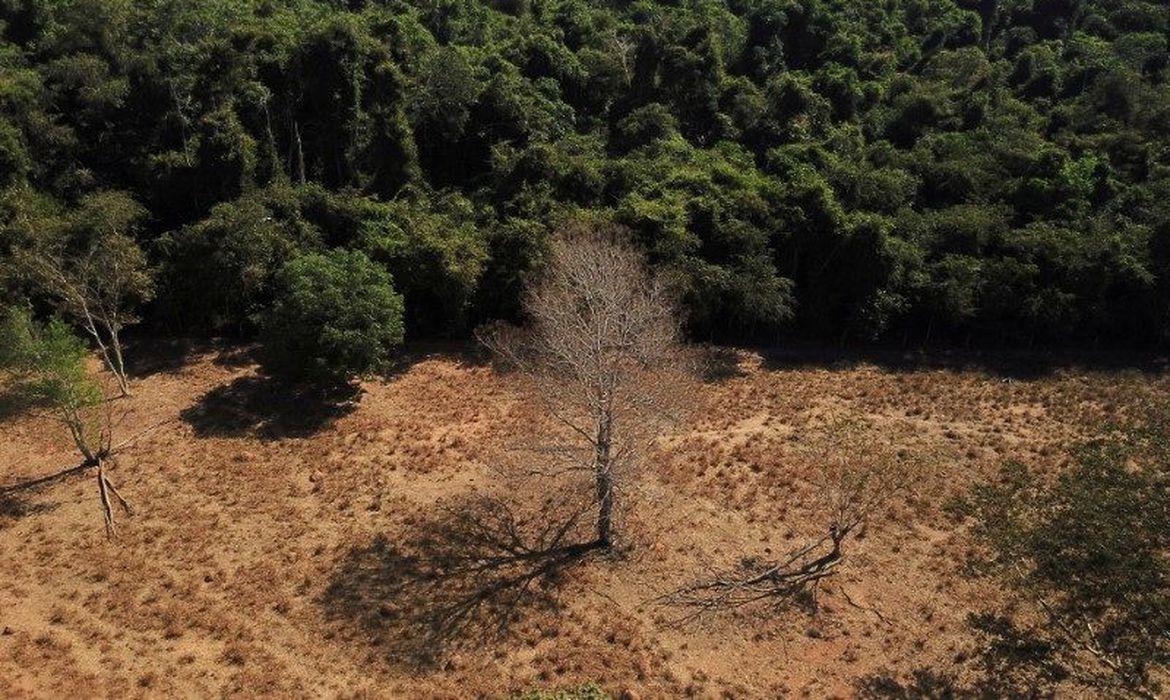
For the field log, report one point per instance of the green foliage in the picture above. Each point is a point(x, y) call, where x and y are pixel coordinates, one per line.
point(942, 169)
point(336, 315)
point(434, 253)
point(219, 272)
point(45, 366)
point(1091, 550)
point(89, 264)
point(47, 361)
point(110, 263)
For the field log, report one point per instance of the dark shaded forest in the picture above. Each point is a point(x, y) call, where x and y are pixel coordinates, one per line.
point(965, 171)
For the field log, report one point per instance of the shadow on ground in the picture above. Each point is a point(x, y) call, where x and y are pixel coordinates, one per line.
point(269, 408)
point(719, 364)
point(462, 578)
point(14, 507)
point(1008, 364)
point(148, 355)
point(14, 402)
point(1010, 662)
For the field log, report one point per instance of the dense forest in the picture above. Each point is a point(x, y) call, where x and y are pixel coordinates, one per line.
point(962, 171)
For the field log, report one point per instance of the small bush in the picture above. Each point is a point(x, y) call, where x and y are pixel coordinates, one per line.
point(589, 691)
point(45, 363)
point(336, 315)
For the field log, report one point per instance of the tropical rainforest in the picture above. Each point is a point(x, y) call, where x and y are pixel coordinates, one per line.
point(916, 171)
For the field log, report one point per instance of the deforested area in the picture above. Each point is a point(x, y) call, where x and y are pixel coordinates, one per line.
point(565, 350)
point(288, 545)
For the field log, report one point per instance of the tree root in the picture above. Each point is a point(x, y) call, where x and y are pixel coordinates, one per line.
point(105, 490)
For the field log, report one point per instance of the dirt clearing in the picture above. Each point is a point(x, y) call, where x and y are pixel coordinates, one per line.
point(294, 543)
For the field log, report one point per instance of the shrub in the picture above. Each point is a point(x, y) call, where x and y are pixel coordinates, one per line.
point(590, 691)
point(336, 315)
point(45, 364)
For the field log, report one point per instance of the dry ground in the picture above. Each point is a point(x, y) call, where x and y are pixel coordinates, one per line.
point(288, 544)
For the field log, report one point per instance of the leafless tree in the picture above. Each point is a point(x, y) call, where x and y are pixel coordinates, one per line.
point(602, 354)
point(853, 486)
point(624, 46)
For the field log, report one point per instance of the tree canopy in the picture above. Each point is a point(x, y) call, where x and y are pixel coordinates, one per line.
point(336, 315)
point(987, 170)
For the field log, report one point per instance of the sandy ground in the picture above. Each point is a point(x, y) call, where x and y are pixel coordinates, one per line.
point(288, 545)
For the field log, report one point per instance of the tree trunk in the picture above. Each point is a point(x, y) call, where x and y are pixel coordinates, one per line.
point(120, 364)
point(76, 426)
point(605, 486)
point(605, 507)
point(91, 327)
point(104, 494)
point(300, 153)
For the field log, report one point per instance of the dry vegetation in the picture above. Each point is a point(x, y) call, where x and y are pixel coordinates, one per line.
point(291, 543)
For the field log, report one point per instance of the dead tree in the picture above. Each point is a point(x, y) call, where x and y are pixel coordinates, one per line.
point(601, 352)
point(852, 488)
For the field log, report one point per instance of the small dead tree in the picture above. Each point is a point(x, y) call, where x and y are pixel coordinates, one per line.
point(97, 273)
point(602, 354)
point(46, 366)
point(851, 487)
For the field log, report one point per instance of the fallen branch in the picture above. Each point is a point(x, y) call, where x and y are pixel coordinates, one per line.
point(105, 490)
point(801, 571)
point(849, 599)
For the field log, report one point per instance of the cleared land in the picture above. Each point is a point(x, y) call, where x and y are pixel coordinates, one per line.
point(288, 543)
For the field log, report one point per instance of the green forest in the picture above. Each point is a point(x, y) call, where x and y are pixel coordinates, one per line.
point(992, 172)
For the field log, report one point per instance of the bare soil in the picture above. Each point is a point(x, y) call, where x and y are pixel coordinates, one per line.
point(291, 542)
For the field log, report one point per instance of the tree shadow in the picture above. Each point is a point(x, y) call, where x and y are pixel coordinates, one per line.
point(719, 363)
point(923, 684)
point(14, 402)
point(14, 507)
point(269, 408)
point(462, 578)
point(237, 356)
point(466, 353)
point(1007, 363)
point(148, 355)
point(1011, 662)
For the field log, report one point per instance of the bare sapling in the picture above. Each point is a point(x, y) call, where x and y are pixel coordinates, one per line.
point(602, 355)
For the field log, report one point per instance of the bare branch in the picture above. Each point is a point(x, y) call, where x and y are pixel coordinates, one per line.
point(602, 355)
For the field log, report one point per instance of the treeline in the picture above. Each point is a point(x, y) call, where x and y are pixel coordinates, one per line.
point(993, 171)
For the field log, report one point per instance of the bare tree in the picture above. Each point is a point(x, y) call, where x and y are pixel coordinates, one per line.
point(602, 353)
point(97, 273)
point(853, 486)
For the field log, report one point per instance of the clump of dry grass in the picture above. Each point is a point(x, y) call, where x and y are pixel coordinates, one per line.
point(241, 536)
